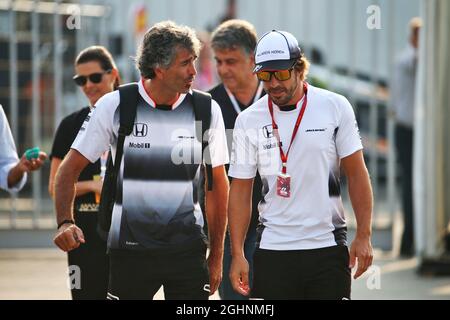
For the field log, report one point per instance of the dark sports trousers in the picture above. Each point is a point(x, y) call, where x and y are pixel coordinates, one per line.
point(92, 261)
point(139, 276)
point(404, 143)
point(317, 274)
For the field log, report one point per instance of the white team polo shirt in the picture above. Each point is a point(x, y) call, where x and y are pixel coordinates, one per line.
point(313, 217)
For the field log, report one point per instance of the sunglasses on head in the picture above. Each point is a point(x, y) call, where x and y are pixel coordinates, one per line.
point(280, 75)
point(94, 78)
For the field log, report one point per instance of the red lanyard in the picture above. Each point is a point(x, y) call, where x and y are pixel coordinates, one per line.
point(284, 157)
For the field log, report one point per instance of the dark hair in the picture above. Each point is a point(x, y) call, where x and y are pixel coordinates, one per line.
point(102, 56)
point(158, 49)
point(235, 34)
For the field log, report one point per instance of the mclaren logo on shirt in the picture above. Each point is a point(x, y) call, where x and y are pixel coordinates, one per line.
point(316, 130)
point(268, 131)
point(140, 130)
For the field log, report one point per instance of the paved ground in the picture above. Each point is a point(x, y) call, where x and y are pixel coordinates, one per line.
point(31, 274)
point(41, 274)
point(397, 279)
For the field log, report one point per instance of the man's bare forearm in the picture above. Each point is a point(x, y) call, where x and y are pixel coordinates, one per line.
point(239, 214)
point(64, 193)
point(65, 189)
point(216, 212)
point(360, 192)
point(14, 176)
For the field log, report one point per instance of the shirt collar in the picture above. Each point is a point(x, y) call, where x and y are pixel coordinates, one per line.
point(151, 102)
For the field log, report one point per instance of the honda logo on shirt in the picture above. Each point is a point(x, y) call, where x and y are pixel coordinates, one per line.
point(268, 131)
point(140, 130)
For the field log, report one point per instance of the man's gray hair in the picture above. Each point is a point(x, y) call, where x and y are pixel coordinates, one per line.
point(235, 34)
point(160, 44)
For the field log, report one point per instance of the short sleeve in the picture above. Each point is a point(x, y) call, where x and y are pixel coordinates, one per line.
point(348, 139)
point(243, 164)
point(98, 131)
point(217, 142)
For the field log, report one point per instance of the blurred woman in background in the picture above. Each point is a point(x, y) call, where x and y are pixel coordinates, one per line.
point(96, 74)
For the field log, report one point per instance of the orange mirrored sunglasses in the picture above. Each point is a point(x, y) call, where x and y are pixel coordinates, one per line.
point(280, 75)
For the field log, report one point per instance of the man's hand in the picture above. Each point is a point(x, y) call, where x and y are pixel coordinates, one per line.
point(361, 249)
point(215, 271)
point(25, 165)
point(239, 275)
point(239, 215)
point(360, 192)
point(69, 237)
point(16, 173)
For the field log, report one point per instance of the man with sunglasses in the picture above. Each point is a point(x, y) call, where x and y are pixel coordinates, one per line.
point(298, 137)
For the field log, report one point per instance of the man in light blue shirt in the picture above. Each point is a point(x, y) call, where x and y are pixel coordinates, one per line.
point(13, 171)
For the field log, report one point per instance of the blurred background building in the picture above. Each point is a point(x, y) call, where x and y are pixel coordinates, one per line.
point(352, 45)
